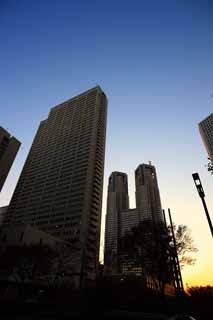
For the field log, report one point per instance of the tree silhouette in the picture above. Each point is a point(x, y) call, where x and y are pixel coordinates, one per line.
point(25, 263)
point(151, 247)
point(201, 292)
point(210, 166)
point(147, 246)
point(38, 263)
point(184, 244)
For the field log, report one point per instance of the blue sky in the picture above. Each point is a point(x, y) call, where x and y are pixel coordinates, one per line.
point(152, 58)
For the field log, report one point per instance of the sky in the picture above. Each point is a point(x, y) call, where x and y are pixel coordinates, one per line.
point(153, 59)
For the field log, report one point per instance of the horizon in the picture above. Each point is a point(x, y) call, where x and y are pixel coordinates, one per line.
point(154, 63)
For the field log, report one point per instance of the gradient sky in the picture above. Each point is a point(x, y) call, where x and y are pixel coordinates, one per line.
point(153, 59)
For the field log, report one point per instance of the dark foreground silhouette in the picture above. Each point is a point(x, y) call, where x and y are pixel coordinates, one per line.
point(127, 301)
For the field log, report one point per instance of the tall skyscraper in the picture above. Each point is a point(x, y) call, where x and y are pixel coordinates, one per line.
point(206, 132)
point(117, 201)
point(60, 187)
point(121, 219)
point(9, 147)
point(148, 201)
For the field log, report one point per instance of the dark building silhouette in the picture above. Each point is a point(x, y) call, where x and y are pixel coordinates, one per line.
point(60, 187)
point(9, 147)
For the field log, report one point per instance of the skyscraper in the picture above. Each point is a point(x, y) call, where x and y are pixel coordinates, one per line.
point(148, 201)
point(9, 147)
point(60, 187)
point(121, 219)
point(117, 201)
point(206, 132)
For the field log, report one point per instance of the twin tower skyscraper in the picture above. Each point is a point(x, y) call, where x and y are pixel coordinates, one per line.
point(120, 218)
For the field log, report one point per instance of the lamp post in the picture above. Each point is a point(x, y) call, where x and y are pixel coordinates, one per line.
point(202, 196)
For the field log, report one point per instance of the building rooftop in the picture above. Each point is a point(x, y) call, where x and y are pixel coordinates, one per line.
point(210, 115)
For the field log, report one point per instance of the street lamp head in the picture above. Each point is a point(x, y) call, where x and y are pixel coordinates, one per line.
point(195, 176)
point(198, 184)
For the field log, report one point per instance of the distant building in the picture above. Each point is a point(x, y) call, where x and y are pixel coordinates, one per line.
point(3, 211)
point(60, 187)
point(120, 218)
point(206, 132)
point(117, 201)
point(21, 234)
point(148, 201)
point(9, 147)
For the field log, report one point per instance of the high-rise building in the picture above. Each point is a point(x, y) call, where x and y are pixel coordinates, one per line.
point(9, 147)
point(206, 132)
point(148, 201)
point(117, 201)
point(120, 218)
point(60, 187)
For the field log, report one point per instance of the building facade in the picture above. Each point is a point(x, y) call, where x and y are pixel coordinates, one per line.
point(26, 235)
point(128, 219)
point(206, 132)
point(60, 187)
point(3, 211)
point(9, 147)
